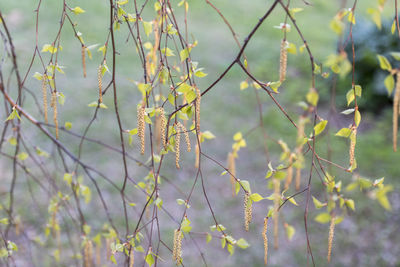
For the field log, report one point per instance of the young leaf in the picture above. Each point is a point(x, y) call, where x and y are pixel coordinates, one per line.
point(318, 204)
point(384, 63)
point(344, 132)
point(389, 83)
point(149, 259)
point(242, 243)
point(256, 197)
point(323, 217)
point(77, 10)
point(320, 127)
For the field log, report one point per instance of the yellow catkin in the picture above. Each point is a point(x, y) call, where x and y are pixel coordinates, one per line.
point(160, 129)
point(248, 210)
point(396, 110)
point(300, 134)
point(182, 129)
point(197, 162)
point(289, 176)
point(83, 50)
point(163, 126)
point(177, 145)
point(131, 258)
point(100, 83)
point(275, 216)
point(298, 179)
point(18, 226)
point(98, 254)
point(158, 133)
point(283, 61)
point(177, 248)
point(353, 138)
point(232, 170)
point(55, 113)
point(88, 253)
point(141, 126)
point(197, 109)
point(108, 248)
point(265, 238)
point(44, 93)
point(330, 238)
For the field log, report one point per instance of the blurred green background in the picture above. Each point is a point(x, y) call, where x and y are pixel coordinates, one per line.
point(367, 237)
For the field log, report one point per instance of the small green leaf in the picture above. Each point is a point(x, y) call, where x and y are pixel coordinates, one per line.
point(293, 201)
point(68, 125)
point(242, 243)
point(244, 85)
point(320, 127)
point(167, 51)
point(350, 204)
point(38, 76)
point(312, 97)
point(148, 28)
point(184, 54)
point(389, 83)
point(13, 114)
point(149, 259)
point(357, 117)
point(344, 132)
point(318, 204)
point(323, 217)
point(256, 197)
point(347, 111)
point(384, 63)
point(95, 104)
point(290, 231)
point(77, 10)
point(208, 238)
point(185, 226)
point(396, 55)
point(12, 140)
point(207, 135)
point(22, 156)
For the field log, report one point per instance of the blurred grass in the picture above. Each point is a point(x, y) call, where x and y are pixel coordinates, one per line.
point(226, 110)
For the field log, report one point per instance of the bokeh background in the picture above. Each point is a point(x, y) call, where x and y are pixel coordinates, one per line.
point(369, 236)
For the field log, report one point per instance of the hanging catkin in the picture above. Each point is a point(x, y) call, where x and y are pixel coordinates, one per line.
point(248, 210)
point(131, 258)
point(100, 83)
point(88, 253)
point(186, 134)
point(300, 135)
point(232, 171)
point(98, 254)
point(283, 61)
point(197, 162)
point(163, 126)
point(265, 238)
point(44, 93)
point(330, 238)
point(197, 109)
point(160, 129)
point(83, 60)
point(177, 145)
point(275, 216)
point(177, 248)
point(353, 138)
point(141, 127)
point(396, 110)
point(108, 248)
point(53, 104)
